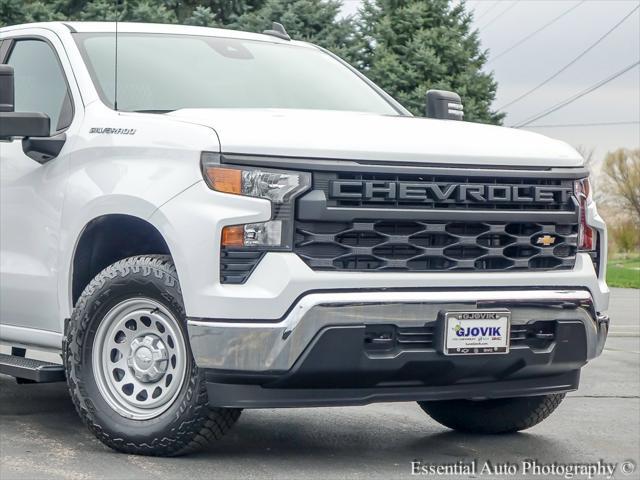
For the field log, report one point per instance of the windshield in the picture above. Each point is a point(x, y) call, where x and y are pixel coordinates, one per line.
point(160, 73)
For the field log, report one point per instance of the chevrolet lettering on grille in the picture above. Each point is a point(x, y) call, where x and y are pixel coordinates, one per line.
point(429, 192)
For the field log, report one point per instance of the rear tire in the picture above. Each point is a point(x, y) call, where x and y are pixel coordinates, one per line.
point(502, 415)
point(130, 370)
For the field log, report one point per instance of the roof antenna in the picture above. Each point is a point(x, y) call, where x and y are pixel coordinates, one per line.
point(277, 30)
point(115, 93)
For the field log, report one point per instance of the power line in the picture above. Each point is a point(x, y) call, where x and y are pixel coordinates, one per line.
point(584, 52)
point(488, 10)
point(498, 16)
point(569, 100)
point(534, 33)
point(594, 124)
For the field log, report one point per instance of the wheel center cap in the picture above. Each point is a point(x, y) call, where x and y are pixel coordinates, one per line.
point(143, 358)
point(148, 358)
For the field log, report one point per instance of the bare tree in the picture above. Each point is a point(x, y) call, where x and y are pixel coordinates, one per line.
point(621, 180)
point(588, 155)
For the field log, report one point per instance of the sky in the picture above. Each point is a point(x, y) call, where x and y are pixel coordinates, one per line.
point(503, 23)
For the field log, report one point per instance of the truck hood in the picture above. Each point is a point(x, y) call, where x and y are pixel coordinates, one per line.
point(363, 136)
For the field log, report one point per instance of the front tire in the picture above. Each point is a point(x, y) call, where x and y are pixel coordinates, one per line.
point(130, 371)
point(501, 415)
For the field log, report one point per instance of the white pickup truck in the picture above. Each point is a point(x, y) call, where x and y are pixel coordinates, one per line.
point(201, 221)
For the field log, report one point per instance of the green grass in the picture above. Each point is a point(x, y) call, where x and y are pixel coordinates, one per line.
point(624, 272)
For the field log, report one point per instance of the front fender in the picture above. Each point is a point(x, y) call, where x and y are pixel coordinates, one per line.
point(76, 224)
point(132, 174)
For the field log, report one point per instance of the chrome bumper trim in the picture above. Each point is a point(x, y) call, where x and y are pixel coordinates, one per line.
point(268, 346)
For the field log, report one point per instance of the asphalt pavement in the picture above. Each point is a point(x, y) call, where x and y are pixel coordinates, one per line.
point(42, 437)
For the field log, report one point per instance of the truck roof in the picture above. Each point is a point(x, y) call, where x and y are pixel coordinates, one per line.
point(132, 27)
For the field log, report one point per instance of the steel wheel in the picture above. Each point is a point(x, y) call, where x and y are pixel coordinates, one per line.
point(139, 358)
point(129, 369)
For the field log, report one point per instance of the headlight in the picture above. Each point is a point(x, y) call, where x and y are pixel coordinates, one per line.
point(586, 234)
point(280, 187)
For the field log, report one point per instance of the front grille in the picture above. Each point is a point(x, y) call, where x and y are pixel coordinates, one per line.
point(434, 221)
point(384, 338)
point(322, 181)
point(426, 246)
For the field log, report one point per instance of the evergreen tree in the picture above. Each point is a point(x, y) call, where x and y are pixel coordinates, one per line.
point(316, 21)
point(202, 17)
point(148, 11)
point(11, 12)
point(99, 11)
point(194, 12)
point(211, 13)
point(152, 11)
point(411, 46)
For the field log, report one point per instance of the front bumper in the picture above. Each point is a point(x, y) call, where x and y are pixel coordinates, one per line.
point(318, 353)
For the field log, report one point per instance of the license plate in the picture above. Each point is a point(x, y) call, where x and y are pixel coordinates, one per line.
point(477, 333)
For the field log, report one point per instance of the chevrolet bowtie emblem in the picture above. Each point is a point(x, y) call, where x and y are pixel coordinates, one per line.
point(546, 240)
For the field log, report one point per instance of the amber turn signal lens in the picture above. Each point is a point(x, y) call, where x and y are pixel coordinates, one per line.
point(226, 180)
point(233, 236)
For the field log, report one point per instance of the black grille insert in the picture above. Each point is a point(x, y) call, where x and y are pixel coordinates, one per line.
point(435, 246)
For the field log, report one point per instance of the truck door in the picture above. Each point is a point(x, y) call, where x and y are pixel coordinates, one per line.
point(32, 190)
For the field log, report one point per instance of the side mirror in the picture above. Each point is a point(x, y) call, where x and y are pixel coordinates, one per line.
point(18, 124)
point(21, 124)
point(444, 105)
